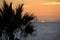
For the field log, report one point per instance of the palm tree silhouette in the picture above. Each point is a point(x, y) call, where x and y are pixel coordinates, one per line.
point(10, 21)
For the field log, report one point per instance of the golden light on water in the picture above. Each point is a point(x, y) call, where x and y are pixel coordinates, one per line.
point(52, 3)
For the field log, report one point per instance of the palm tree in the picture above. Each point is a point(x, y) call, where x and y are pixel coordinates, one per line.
point(10, 22)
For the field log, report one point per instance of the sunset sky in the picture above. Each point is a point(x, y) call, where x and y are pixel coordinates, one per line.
point(48, 10)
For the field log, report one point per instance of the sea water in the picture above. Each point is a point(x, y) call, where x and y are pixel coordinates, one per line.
point(46, 31)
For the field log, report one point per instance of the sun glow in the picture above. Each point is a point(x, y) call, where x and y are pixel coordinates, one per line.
point(52, 3)
point(43, 21)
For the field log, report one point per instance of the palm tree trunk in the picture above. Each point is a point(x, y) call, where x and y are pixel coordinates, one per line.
point(11, 36)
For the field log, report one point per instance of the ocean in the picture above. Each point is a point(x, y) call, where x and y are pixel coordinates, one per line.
point(46, 31)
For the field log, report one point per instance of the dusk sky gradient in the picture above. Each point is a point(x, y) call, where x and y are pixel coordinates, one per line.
point(49, 12)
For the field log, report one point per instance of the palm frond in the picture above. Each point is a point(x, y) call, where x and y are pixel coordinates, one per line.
point(19, 11)
point(27, 18)
point(1, 11)
point(10, 22)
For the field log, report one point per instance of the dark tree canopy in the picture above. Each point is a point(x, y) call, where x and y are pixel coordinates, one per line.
point(10, 22)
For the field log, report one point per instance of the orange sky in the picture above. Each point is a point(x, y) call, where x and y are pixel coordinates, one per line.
point(50, 12)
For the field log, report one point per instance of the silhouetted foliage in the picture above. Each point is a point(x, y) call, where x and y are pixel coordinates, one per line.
point(10, 22)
